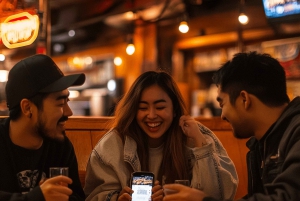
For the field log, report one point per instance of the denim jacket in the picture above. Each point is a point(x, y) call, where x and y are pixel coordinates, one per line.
point(112, 162)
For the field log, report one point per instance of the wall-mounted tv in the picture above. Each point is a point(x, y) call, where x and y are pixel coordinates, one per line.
point(282, 10)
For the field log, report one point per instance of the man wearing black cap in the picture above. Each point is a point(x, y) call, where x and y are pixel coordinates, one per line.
point(33, 138)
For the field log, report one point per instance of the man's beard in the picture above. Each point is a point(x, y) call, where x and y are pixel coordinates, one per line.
point(47, 133)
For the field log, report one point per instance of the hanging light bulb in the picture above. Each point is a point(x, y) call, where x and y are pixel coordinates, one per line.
point(118, 61)
point(130, 49)
point(243, 19)
point(183, 27)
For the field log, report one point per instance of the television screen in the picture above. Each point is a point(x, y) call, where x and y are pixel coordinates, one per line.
point(282, 9)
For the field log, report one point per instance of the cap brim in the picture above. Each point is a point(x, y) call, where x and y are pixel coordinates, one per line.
point(64, 83)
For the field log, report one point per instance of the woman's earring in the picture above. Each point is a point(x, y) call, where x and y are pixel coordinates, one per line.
point(30, 115)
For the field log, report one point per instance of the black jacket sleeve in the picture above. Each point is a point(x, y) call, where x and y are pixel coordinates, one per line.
point(34, 195)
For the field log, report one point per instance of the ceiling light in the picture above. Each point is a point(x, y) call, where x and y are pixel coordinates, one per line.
point(130, 49)
point(183, 27)
point(71, 33)
point(118, 61)
point(243, 19)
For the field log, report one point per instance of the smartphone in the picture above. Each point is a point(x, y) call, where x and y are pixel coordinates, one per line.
point(141, 184)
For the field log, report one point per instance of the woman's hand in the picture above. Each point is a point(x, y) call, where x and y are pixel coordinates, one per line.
point(157, 192)
point(190, 128)
point(125, 194)
point(183, 193)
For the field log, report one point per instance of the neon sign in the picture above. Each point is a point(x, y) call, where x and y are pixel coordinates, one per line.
point(19, 30)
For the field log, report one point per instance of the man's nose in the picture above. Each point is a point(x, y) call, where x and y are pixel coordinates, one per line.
point(67, 111)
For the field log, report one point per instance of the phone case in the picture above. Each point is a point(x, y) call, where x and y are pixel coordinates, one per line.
point(142, 183)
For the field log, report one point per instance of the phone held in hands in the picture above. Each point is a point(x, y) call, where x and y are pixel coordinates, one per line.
point(142, 183)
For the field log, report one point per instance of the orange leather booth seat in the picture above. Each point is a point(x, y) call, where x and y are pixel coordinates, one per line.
point(85, 132)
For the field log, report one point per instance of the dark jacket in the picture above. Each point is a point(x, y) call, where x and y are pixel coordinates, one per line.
point(22, 169)
point(274, 161)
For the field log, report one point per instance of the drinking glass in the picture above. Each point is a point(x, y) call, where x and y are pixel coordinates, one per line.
point(183, 182)
point(55, 171)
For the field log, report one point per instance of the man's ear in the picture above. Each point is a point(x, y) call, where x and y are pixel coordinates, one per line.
point(246, 99)
point(26, 107)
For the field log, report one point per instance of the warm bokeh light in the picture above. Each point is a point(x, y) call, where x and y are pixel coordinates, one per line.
point(183, 27)
point(76, 61)
point(3, 75)
point(243, 19)
point(88, 60)
point(118, 61)
point(111, 85)
point(130, 49)
point(2, 57)
point(71, 33)
point(73, 94)
point(130, 15)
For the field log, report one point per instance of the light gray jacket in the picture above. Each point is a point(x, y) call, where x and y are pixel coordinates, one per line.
point(108, 167)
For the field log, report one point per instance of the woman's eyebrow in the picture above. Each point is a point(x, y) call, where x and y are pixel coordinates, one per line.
point(157, 101)
point(160, 100)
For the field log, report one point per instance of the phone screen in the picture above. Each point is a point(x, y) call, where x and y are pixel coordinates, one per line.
point(141, 184)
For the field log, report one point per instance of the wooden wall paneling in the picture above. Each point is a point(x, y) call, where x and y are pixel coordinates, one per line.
point(88, 123)
point(82, 143)
point(243, 150)
point(235, 151)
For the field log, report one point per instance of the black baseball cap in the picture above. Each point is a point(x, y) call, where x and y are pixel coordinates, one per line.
point(37, 74)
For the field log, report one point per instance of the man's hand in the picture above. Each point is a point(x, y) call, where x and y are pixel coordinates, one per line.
point(183, 193)
point(157, 192)
point(53, 191)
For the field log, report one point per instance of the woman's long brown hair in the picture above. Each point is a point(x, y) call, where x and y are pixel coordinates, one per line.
point(175, 164)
